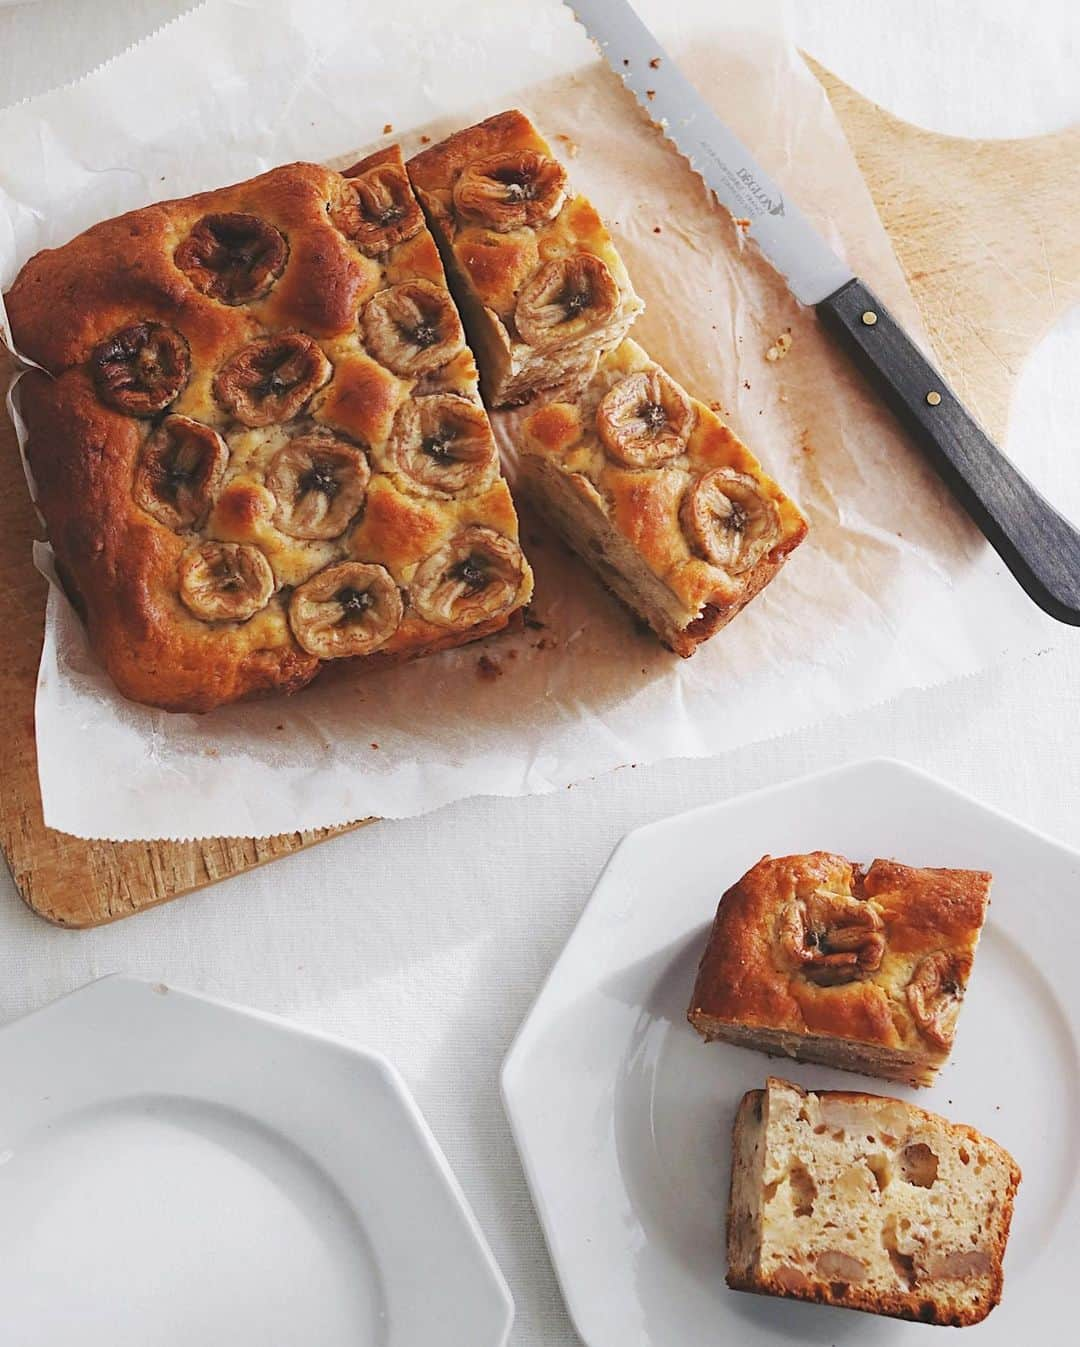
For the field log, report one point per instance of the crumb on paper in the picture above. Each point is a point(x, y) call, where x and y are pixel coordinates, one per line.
point(742, 222)
point(746, 384)
point(388, 128)
point(779, 348)
point(626, 60)
point(654, 64)
point(374, 744)
point(572, 147)
point(650, 94)
point(656, 229)
point(488, 669)
point(425, 140)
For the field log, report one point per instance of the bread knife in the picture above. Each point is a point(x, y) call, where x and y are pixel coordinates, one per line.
point(1039, 546)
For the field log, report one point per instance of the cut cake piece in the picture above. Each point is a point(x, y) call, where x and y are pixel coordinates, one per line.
point(868, 1203)
point(541, 287)
point(813, 958)
point(659, 496)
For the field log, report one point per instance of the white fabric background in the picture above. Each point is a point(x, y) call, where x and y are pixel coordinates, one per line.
point(428, 938)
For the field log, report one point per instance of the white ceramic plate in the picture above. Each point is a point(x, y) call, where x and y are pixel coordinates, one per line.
point(623, 1115)
point(174, 1171)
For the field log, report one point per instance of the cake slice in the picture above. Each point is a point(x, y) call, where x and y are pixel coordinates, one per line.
point(659, 496)
point(867, 1203)
point(541, 287)
point(813, 958)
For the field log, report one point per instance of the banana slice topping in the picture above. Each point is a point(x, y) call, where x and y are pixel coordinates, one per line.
point(179, 472)
point(348, 609)
point(831, 937)
point(729, 519)
point(319, 481)
point(513, 190)
point(443, 445)
point(271, 378)
point(233, 257)
point(476, 576)
point(225, 582)
point(645, 420)
point(935, 992)
point(377, 210)
point(568, 298)
point(141, 369)
point(412, 328)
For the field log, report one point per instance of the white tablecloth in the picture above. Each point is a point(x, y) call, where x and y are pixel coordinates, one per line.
point(427, 939)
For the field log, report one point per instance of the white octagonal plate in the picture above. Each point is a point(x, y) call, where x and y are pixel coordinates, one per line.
point(174, 1171)
point(623, 1115)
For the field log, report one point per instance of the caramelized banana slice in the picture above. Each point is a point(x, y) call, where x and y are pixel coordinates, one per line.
point(232, 257)
point(443, 445)
point(934, 995)
point(319, 482)
point(412, 327)
point(179, 472)
point(225, 582)
point(141, 369)
point(568, 298)
point(270, 379)
point(377, 210)
point(474, 577)
point(348, 609)
point(729, 519)
point(645, 419)
point(831, 937)
point(513, 190)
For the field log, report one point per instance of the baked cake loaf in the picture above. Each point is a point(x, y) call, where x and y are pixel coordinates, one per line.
point(812, 958)
point(257, 437)
point(541, 287)
point(659, 496)
point(867, 1203)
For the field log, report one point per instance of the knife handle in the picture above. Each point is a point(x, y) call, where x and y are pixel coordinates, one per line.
point(1039, 546)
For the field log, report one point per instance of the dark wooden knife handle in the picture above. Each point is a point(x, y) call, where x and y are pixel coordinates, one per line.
point(1039, 546)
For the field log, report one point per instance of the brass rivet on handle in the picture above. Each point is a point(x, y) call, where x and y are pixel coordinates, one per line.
point(869, 317)
point(933, 397)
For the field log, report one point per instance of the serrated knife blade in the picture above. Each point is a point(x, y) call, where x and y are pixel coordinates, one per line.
point(1039, 546)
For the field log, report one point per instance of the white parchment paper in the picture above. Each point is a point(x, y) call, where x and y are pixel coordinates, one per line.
point(893, 589)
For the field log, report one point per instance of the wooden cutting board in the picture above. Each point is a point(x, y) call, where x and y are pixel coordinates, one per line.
point(986, 233)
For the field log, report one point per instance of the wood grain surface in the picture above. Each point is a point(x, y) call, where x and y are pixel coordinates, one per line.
point(986, 233)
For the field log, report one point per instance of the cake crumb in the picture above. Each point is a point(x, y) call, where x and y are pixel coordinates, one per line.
point(572, 147)
point(742, 222)
point(654, 64)
point(488, 669)
point(388, 128)
point(746, 384)
point(374, 745)
point(779, 348)
point(425, 140)
point(656, 229)
point(650, 94)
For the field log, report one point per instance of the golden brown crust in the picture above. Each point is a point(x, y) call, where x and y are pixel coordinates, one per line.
point(776, 931)
point(541, 286)
point(645, 505)
point(227, 272)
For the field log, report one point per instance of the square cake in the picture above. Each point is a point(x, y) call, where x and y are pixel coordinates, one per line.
point(541, 287)
point(812, 958)
point(659, 496)
point(257, 437)
point(867, 1203)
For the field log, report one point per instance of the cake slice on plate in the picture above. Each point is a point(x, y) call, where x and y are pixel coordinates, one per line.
point(867, 1203)
point(813, 958)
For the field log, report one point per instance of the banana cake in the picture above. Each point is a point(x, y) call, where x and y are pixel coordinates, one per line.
point(659, 496)
point(867, 1203)
point(811, 957)
point(257, 437)
point(541, 286)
